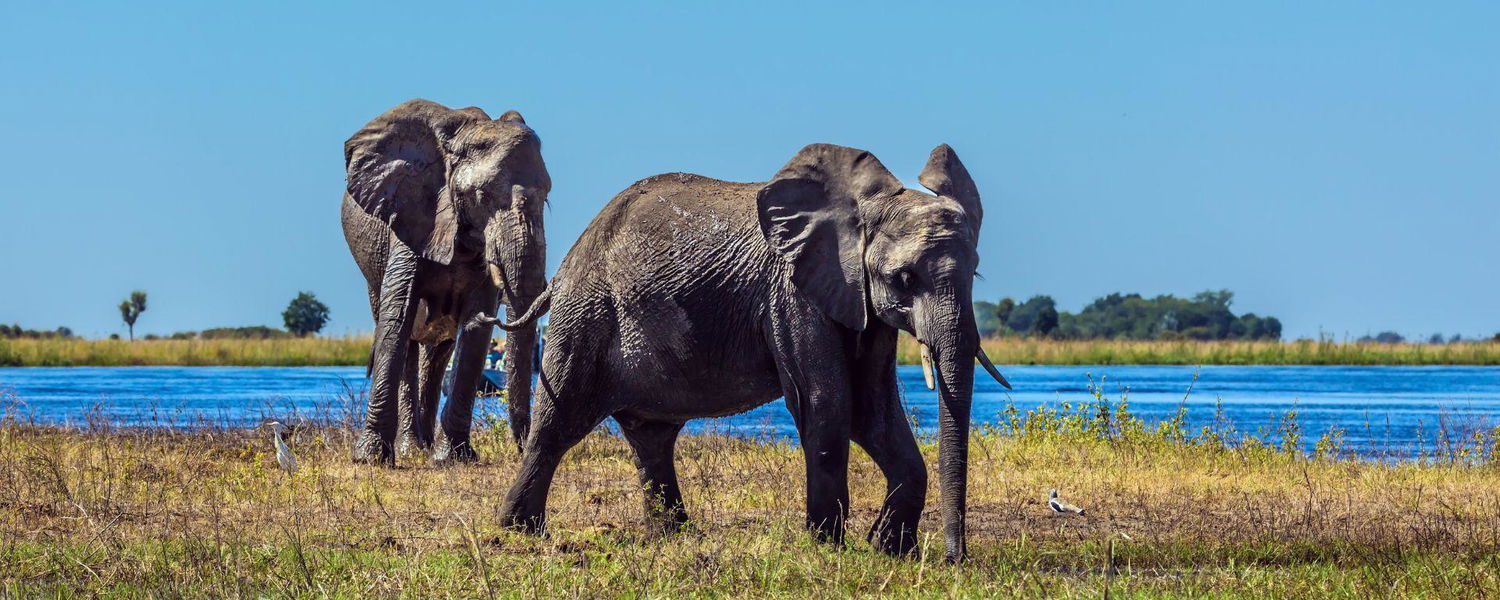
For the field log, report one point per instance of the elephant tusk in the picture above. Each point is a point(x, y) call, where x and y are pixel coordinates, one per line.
point(927, 366)
point(989, 366)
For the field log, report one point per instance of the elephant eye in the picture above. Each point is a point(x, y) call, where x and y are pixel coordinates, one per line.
point(903, 279)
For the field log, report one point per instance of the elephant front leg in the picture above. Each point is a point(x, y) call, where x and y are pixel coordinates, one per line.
point(430, 369)
point(825, 447)
point(376, 443)
point(407, 405)
point(881, 428)
point(458, 413)
point(883, 432)
point(819, 406)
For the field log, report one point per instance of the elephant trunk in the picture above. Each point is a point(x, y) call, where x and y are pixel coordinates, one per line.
point(522, 263)
point(948, 330)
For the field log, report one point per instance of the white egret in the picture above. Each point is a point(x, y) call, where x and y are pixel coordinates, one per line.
point(284, 458)
point(1058, 506)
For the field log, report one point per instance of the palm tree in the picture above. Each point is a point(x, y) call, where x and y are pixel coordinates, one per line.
point(131, 309)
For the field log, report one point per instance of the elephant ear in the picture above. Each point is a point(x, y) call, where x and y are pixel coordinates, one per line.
point(398, 173)
point(945, 175)
point(809, 213)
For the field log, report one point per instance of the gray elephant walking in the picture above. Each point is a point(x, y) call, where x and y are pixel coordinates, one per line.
point(691, 297)
point(443, 214)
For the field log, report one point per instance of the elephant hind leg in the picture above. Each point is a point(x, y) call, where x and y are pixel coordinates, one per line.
point(556, 428)
point(653, 443)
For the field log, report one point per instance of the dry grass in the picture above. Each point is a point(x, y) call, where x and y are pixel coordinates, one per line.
point(291, 352)
point(355, 351)
point(1024, 351)
point(167, 513)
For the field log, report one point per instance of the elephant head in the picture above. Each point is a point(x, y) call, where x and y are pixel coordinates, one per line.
point(455, 185)
point(861, 246)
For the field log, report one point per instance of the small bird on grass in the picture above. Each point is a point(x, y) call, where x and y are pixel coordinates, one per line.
point(284, 458)
point(1058, 506)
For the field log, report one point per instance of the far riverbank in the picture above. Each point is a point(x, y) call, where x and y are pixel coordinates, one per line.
point(354, 351)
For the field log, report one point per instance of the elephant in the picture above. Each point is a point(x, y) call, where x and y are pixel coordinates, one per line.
point(443, 214)
point(691, 297)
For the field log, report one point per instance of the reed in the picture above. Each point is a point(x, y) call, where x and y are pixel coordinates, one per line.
point(1031, 351)
point(354, 350)
point(288, 352)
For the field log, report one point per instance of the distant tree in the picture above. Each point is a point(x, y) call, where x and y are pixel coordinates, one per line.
point(1004, 308)
point(1046, 321)
point(1270, 328)
point(984, 318)
point(1218, 299)
point(253, 332)
point(1456, 338)
point(1037, 317)
point(131, 309)
point(1384, 337)
point(305, 315)
point(1436, 339)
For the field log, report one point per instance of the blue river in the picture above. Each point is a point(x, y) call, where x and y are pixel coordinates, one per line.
point(1392, 411)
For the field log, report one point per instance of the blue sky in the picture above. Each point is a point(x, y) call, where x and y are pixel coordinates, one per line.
point(1335, 164)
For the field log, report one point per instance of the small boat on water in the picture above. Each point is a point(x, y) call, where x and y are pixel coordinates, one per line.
point(491, 383)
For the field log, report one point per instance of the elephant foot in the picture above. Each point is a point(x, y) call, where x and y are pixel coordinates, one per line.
point(528, 524)
point(827, 531)
point(667, 523)
point(894, 540)
point(371, 449)
point(451, 453)
point(410, 443)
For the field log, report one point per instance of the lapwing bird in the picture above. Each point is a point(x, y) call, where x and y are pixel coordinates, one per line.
point(1058, 506)
point(284, 458)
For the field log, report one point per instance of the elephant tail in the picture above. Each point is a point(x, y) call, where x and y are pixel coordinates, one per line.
point(538, 308)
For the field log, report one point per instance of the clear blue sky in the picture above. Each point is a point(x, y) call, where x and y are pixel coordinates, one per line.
point(1335, 164)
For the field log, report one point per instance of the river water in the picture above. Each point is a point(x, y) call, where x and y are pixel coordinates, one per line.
point(1380, 410)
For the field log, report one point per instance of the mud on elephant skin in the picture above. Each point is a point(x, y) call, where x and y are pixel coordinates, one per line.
point(691, 297)
point(443, 214)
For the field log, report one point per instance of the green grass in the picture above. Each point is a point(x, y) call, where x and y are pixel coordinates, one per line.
point(290, 352)
point(1171, 513)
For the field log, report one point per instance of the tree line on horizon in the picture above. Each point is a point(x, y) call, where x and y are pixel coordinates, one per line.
point(304, 316)
point(1205, 316)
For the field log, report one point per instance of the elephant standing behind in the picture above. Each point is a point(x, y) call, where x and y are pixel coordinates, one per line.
point(443, 214)
point(692, 297)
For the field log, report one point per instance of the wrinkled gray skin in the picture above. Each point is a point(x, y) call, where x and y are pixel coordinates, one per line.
point(443, 214)
point(691, 297)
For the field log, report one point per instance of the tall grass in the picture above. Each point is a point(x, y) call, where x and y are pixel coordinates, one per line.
point(355, 351)
point(1025, 351)
point(291, 352)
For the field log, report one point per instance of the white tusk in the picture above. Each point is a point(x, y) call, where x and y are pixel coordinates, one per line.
point(989, 366)
point(927, 366)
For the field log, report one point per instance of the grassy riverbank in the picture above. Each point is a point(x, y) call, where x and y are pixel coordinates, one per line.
point(1129, 352)
point(140, 513)
point(354, 350)
point(288, 352)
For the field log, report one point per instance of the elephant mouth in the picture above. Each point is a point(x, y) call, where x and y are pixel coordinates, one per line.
point(930, 379)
